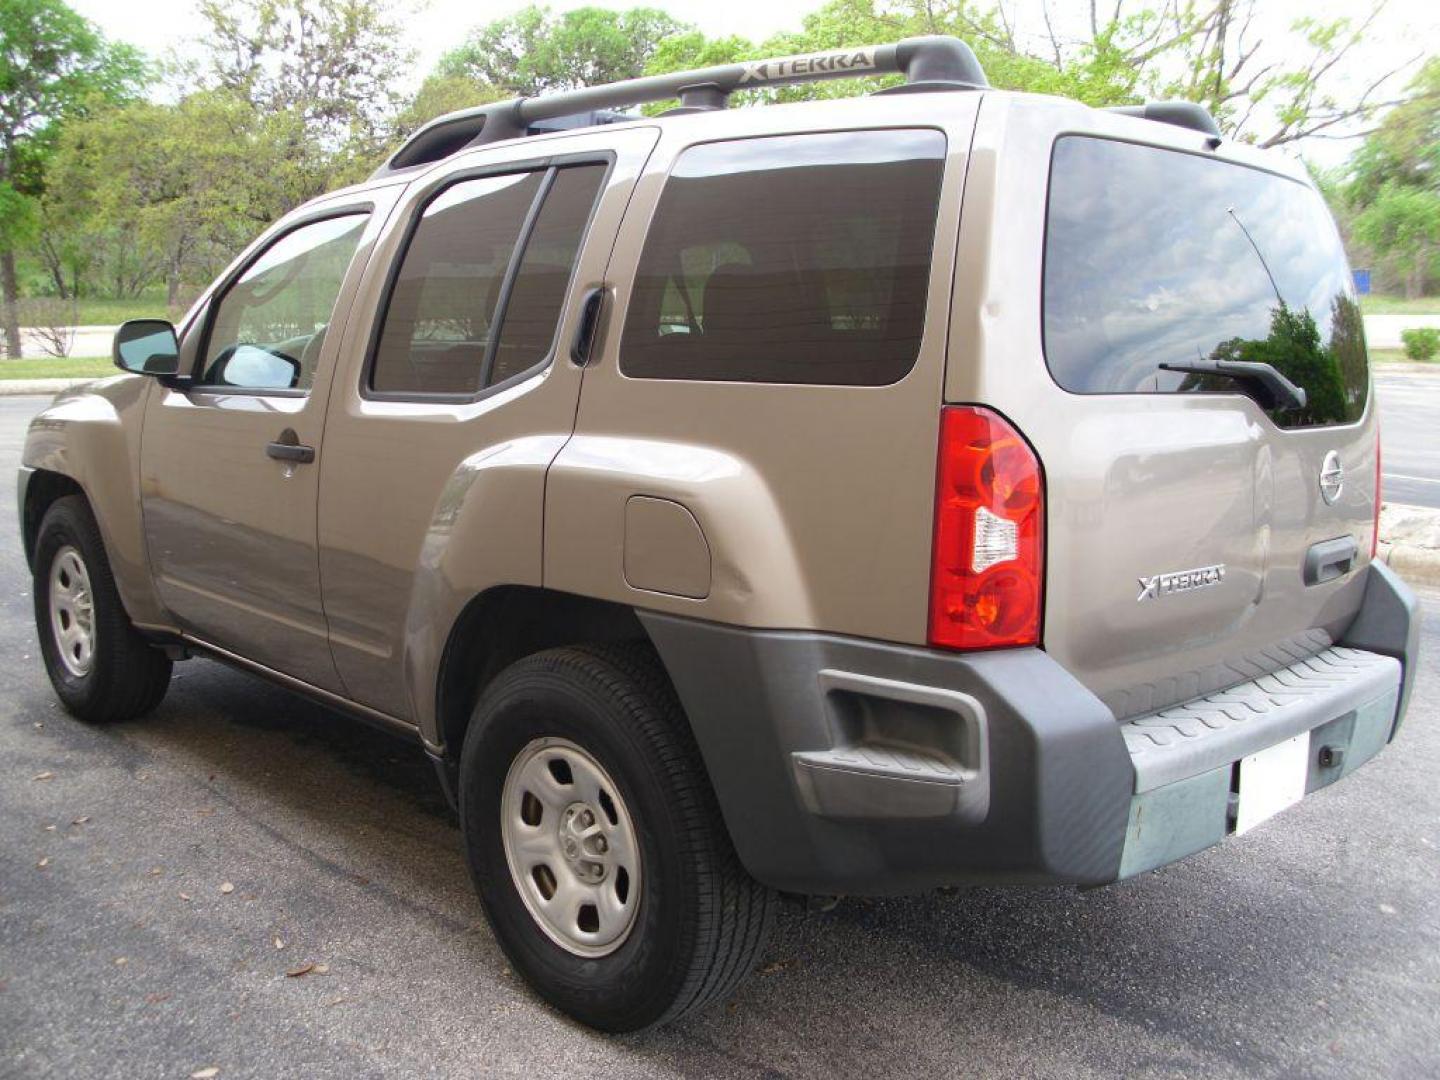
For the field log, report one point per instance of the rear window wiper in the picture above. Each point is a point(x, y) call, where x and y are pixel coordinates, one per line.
point(1268, 385)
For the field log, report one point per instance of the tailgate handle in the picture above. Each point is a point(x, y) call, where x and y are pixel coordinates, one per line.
point(1329, 559)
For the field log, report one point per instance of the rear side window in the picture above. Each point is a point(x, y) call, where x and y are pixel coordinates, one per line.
point(1155, 256)
point(481, 283)
point(792, 259)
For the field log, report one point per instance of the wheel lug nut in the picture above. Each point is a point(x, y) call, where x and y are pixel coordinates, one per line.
point(600, 844)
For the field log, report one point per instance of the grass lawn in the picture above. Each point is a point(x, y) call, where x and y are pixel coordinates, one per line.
point(102, 311)
point(72, 367)
point(1397, 356)
point(1398, 305)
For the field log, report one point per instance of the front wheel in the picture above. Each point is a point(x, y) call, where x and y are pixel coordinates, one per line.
point(596, 843)
point(101, 669)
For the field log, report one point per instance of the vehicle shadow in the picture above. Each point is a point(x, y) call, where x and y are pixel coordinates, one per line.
point(1216, 966)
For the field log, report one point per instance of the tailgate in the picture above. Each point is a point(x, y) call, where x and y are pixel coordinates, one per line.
point(1182, 506)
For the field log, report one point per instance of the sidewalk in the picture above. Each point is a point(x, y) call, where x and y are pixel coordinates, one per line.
point(1410, 542)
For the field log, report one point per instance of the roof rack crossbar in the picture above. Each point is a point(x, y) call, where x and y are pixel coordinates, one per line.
point(936, 62)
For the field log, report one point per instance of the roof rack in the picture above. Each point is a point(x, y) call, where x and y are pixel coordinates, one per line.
point(928, 63)
point(1185, 114)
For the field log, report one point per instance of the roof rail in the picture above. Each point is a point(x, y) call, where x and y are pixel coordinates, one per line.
point(1185, 114)
point(928, 63)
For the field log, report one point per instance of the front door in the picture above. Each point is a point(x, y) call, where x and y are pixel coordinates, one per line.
point(229, 462)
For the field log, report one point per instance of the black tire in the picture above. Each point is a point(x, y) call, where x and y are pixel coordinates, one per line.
point(126, 677)
point(702, 921)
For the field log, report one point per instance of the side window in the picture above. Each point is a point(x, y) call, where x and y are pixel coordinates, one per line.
point(268, 327)
point(789, 259)
point(478, 294)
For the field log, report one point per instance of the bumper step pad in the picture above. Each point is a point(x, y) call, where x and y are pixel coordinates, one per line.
point(1185, 740)
point(1344, 701)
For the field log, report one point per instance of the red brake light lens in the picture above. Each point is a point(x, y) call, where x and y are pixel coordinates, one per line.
point(987, 566)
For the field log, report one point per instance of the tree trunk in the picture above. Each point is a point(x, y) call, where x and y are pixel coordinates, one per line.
point(55, 266)
point(1415, 280)
point(11, 289)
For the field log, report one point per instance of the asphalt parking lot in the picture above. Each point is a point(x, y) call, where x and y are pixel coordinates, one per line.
point(159, 879)
point(1410, 450)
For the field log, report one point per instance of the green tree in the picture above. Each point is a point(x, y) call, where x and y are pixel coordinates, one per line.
point(53, 67)
point(325, 69)
point(168, 192)
point(1277, 92)
point(1402, 225)
point(1405, 148)
point(1265, 92)
point(533, 51)
point(440, 94)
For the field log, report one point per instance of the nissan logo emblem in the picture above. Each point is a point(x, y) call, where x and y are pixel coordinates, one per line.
point(1332, 478)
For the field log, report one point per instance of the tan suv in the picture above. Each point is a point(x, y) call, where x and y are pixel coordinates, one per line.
point(845, 497)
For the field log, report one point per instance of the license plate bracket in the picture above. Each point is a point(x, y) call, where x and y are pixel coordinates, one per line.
point(1271, 780)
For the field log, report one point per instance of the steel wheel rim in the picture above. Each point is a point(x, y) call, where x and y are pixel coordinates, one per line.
point(72, 611)
point(572, 848)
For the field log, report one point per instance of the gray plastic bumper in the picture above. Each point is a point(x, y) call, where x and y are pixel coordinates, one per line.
point(22, 487)
point(849, 766)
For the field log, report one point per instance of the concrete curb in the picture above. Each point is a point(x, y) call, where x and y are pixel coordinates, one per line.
point(1410, 542)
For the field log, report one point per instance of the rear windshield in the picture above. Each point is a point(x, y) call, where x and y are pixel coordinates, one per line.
point(1161, 257)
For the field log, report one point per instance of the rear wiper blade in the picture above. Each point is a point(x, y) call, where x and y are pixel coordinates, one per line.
point(1275, 391)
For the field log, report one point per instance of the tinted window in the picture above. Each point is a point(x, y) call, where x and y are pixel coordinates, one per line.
point(533, 309)
point(271, 322)
point(1157, 257)
point(451, 327)
point(797, 259)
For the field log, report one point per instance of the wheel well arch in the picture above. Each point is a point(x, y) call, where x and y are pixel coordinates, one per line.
point(505, 624)
point(45, 488)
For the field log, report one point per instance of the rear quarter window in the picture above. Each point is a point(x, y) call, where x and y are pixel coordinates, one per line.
point(789, 259)
point(1156, 256)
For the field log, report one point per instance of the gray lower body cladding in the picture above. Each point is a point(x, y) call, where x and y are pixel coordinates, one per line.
point(1058, 774)
point(856, 767)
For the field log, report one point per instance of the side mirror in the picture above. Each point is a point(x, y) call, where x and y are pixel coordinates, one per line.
point(254, 367)
point(147, 347)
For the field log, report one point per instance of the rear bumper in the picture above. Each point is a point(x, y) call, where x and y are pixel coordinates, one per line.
point(849, 766)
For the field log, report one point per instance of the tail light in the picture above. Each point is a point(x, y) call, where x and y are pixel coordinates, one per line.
point(987, 567)
point(1375, 536)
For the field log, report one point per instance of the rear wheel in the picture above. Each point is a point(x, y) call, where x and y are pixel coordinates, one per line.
point(101, 669)
point(596, 843)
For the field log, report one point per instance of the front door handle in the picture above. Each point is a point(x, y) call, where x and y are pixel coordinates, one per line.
point(287, 448)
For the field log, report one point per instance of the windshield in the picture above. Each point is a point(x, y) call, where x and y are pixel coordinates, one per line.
point(1160, 257)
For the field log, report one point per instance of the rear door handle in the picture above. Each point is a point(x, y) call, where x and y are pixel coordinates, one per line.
point(588, 329)
point(1329, 559)
point(287, 448)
